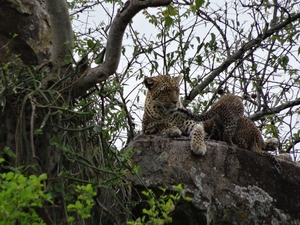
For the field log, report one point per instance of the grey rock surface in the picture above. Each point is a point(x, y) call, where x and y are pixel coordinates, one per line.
point(227, 186)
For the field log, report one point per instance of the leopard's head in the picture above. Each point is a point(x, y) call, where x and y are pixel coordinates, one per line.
point(163, 92)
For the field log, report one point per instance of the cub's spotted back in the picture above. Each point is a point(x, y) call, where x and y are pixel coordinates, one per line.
point(225, 114)
point(246, 136)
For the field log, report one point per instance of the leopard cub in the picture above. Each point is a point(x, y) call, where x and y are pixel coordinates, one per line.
point(244, 135)
point(160, 115)
point(224, 114)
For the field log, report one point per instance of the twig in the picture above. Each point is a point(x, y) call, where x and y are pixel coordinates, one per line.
point(33, 106)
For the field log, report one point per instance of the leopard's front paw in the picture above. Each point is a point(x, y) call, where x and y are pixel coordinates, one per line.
point(172, 132)
point(197, 140)
point(199, 148)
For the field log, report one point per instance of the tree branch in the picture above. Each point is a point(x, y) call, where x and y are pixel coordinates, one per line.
point(62, 33)
point(239, 53)
point(274, 110)
point(114, 44)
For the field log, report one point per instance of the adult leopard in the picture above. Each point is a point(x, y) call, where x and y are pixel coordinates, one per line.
point(161, 117)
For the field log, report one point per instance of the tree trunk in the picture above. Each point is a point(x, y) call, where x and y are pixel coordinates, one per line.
point(227, 186)
point(24, 31)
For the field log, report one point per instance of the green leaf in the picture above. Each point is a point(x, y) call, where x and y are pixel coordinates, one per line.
point(168, 21)
point(9, 152)
point(254, 67)
point(199, 59)
point(213, 38)
point(38, 131)
point(78, 205)
point(145, 193)
point(100, 57)
point(43, 176)
point(172, 11)
point(54, 141)
point(9, 176)
point(90, 43)
point(188, 199)
point(71, 219)
point(21, 179)
point(285, 60)
point(199, 3)
point(65, 106)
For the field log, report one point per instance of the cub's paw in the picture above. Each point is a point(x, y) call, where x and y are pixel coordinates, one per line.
point(198, 148)
point(172, 132)
point(197, 140)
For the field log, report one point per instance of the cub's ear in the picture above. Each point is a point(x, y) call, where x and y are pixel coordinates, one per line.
point(149, 82)
point(178, 78)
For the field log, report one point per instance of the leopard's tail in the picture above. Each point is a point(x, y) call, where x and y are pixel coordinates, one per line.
point(189, 115)
point(275, 162)
point(272, 144)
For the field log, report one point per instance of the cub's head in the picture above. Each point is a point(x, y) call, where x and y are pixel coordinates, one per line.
point(163, 91)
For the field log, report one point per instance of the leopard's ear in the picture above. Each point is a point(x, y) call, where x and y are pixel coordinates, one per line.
point(149, 82)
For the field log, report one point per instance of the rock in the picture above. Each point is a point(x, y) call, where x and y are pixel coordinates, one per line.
point(226, 186)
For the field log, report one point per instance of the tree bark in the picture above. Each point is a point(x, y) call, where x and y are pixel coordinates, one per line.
point(24, 32)
point(62, 33)
point(227, 186)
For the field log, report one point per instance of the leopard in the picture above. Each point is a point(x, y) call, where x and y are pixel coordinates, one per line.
point(244, 127)
point(160, 115)
point(246, 135)
point(224, 114)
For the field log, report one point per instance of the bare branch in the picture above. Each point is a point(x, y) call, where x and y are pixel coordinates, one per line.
point(62, 33)
point(292, 145)
point(274, 110)
point(239, 53)
point(114, 44)
point(202, 14)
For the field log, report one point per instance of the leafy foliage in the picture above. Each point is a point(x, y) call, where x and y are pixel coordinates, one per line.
point(20, 196)
point(160, 209)
point(84, 202)
point(77, 142)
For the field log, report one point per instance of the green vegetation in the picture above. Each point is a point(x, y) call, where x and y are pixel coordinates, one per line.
point(64, 123)
point(20, 196)
point(160, 207)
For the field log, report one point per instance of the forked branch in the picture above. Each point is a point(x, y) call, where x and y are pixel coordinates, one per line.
point(114, 44)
